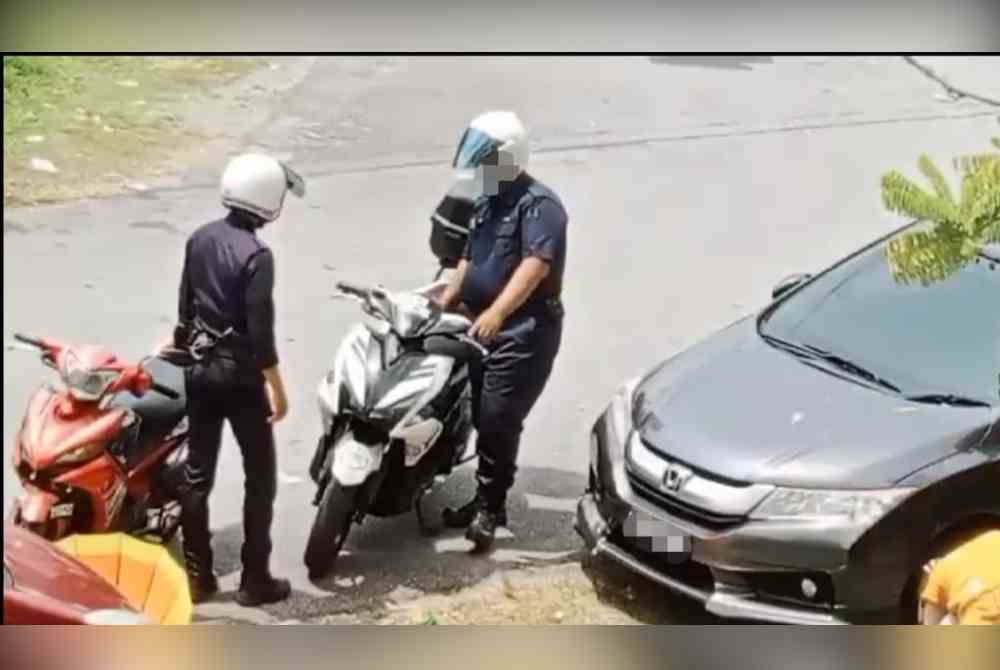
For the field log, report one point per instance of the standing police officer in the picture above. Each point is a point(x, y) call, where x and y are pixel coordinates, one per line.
point(227, 323)
point(510, 279)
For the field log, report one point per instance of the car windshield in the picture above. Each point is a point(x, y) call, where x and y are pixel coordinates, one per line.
point(940, 338)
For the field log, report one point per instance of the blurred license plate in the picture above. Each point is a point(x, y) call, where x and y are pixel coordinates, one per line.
point(657, 536)
point(61, 511)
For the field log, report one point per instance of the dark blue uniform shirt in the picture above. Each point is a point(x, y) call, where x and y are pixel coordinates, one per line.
point(525, 219)
point(228, 282)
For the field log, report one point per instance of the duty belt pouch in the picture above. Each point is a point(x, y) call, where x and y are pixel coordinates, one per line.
point(203, 339)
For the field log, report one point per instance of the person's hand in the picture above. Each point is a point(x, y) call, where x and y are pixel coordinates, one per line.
point(487, 326)
point(279, 405)
point(276, 388)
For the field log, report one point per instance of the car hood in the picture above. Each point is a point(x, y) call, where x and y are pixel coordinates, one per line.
point(736, 407)
point(37, 566)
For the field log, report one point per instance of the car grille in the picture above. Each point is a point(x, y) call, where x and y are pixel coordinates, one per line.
point(682, 510)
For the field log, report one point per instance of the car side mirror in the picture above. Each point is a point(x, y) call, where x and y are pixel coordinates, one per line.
point(789, 283)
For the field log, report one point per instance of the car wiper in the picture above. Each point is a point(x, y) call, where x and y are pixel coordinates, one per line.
point(947, 399)
point(794, 348)
point(852, 367)
point(839, 362)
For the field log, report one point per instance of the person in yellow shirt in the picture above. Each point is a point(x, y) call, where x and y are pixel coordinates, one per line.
point(964, 587)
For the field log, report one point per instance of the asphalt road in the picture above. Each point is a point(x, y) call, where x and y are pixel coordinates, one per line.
point(692, 187)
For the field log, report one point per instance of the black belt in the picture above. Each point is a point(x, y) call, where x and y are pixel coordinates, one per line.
point(550, 308)
point(234, 353)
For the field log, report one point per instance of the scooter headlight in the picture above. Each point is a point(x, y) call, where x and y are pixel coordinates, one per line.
point(84, 383)
point(80, 454)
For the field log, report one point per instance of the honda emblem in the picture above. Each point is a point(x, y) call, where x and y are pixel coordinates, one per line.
point(676, 477)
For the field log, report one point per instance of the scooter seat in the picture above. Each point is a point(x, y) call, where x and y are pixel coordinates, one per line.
point(157, 414)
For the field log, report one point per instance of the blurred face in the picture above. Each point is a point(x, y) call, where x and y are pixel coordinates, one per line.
point(482, 164)
point(497, 167)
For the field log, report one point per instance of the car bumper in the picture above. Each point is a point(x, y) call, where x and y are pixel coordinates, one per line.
point(594, 530)
point(791, 571)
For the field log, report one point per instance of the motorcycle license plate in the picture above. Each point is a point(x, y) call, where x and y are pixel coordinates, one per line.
point(61, 511)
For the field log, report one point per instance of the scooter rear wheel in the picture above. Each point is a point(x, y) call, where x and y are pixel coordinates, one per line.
point(330, 528)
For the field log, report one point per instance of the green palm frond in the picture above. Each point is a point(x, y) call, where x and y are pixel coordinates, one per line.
point(958, 229)
point(927, 257)
point(936, 179)
point(902, 196)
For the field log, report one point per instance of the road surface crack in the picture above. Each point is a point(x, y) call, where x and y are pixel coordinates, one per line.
point(952, 90)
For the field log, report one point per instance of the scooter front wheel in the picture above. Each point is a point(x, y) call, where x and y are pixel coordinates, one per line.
point(52, 530)
point(330, 528)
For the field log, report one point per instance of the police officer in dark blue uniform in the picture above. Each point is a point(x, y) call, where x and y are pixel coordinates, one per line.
point(510, 280)
point(226, 314)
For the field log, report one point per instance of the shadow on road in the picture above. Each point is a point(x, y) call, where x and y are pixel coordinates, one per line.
point(386, 561)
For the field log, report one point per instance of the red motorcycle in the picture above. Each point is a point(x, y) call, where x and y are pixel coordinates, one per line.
point(102, 453)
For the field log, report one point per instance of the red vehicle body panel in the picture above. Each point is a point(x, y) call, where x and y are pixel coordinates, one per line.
point(96, 486)
point(50, 587)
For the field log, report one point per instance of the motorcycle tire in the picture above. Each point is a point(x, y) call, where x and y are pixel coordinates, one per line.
point(52, 530)
point(330, 528)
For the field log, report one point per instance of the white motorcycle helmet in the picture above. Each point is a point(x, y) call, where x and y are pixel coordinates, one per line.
point(493, 149)
point(257, 184)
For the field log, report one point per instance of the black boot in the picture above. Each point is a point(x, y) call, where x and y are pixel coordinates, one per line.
point(256, 591)
point(463, 516)
point(483, 528)
point(202, 582)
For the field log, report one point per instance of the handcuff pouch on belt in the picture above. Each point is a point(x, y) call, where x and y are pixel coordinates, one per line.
point(200, 339)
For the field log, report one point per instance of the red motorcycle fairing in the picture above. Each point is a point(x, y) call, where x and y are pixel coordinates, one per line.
point(54, 426)
point(104, 482)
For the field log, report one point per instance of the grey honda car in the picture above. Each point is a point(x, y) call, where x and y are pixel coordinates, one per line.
point(802, 465)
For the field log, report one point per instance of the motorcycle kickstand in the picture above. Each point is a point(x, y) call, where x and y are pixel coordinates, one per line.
point(425, 529)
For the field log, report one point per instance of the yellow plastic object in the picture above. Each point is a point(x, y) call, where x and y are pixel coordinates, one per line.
point(145, 573)
point(966, 582)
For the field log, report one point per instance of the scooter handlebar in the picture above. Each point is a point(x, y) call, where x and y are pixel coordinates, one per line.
point(164, 391)
point(352, 289)
point(26, 339)
point(471, 341)
point(363, 292)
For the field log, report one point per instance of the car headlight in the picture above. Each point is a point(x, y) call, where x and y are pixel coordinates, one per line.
point(80, 454)
point(858, 507)
point(116, 617)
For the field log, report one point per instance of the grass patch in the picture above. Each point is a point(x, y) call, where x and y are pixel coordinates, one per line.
point(99, 120)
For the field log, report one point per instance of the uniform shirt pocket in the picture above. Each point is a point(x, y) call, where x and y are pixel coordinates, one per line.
point(506, 239)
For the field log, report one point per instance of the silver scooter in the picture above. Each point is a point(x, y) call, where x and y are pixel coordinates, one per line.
point(396, 413)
